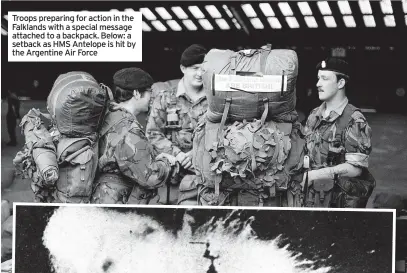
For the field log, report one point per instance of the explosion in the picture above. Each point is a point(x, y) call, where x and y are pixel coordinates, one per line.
point(99, 240)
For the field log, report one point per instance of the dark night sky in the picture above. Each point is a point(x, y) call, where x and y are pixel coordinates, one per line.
point(355, 234)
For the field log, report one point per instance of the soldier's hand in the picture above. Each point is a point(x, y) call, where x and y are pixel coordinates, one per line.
point(169, 157)
point(185, 159)
point(115, 106)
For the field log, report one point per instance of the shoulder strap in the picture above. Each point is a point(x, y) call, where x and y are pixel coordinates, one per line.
point(343, 121)
point(112, 122)
point(108, 97)
point(265, 51)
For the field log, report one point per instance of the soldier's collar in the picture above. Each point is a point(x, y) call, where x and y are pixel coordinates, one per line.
point(181, 89)
point(339, 109)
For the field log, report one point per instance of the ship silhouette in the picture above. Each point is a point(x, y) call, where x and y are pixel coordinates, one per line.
point(208, 255)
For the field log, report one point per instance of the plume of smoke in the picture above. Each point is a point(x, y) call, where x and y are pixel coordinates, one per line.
point(93, 240)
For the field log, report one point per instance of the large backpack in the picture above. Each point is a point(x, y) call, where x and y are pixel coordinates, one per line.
point(76, 105)
point(252, 156)
point(243, 105)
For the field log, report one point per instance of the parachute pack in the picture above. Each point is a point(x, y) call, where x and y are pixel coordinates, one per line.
point(62, 162)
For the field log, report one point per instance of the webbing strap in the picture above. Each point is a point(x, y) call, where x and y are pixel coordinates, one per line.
point(218, 177)
point(282, 84)
point(343, 121)
point(108, 97)
point(223, 121)
point(266, 111)
point(218, 180)
point(233, 64)
point(263, 58)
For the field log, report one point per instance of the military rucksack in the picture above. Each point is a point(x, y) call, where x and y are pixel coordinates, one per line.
point(76, 105)
point(252, 156)
point(241, 103)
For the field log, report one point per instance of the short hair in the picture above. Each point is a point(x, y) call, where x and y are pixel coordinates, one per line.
point(340, 76)
point(122, 95)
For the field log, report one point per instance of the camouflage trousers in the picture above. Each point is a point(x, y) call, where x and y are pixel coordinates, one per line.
point(113, 189)
point(237, 197)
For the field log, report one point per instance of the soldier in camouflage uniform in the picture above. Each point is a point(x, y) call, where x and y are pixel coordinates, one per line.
point(129, 170)
point(338, 144)
point(174, 116)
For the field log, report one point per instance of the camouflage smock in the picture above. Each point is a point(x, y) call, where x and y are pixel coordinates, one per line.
point(320, 133)
point(125, 150)
point(189, 113)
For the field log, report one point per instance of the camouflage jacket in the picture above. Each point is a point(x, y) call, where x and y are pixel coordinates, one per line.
point(124, 149)
point(321, 137)
point(174, 140)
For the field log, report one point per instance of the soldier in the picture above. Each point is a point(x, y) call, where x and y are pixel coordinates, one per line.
point(12, 116)
point(129, 169)
point(338, 144)
point(174, 116)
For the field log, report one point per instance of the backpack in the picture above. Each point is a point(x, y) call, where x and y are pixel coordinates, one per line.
point(77, 106)
point(78, 162)
point(37, 160)
point(252, 156)
point(248, 105)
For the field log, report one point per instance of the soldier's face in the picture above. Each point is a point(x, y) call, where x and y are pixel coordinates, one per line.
point(147, 100)
point(193, 74)
point(327, 85)
point(144, 102)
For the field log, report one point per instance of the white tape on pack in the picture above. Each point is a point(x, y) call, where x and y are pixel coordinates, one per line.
point(266, 83)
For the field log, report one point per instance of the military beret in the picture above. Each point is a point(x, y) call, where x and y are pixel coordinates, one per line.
point(335, 65)
point(194, 54)
point(132, 78)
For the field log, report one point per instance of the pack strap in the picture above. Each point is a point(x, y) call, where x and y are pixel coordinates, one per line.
point(218, 177)
point(108, 97)
point(266, 111)
point(45, 115)
point(233, 64)
point(263, 57)
point(75, 154)
point(282, 84)
point(218, 180)
point(223, 121)
point(103, 131)
point(343, 122)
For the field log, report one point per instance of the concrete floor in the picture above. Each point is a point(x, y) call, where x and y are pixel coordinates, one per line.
point(387, 161)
